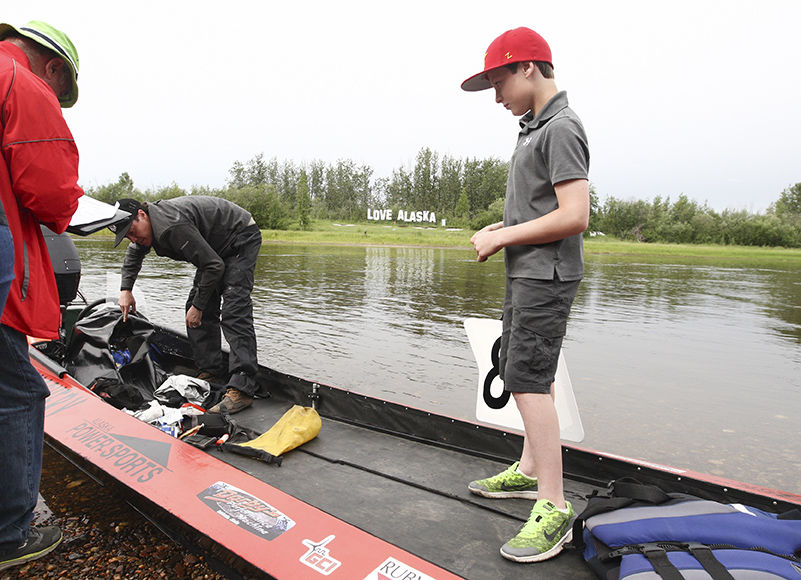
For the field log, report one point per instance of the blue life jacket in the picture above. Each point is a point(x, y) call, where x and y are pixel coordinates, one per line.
point(643, 533)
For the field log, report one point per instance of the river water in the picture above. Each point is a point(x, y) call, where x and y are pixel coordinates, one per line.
point(693, 365)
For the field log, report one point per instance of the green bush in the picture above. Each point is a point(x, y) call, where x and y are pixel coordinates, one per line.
point(686, 222)
point(493, 214)
point(268, 211)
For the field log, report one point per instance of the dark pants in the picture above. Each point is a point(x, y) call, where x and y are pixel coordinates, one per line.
point(22, 406)
point(235, 317)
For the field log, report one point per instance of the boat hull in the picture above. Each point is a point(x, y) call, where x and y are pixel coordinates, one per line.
point(380, 493)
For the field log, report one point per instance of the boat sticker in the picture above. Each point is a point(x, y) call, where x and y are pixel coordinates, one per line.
point(393, 569)
point(61, 399)
point(246, 511)
point(126, 456)
point(319, 557)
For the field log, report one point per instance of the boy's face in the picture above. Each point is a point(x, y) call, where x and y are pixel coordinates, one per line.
point(512, 89)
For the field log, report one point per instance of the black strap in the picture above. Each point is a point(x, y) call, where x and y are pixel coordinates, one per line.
point(631, 488)
point(712, 565)
point(595, 505)
point(625, 491)
point(251, 452)
point(657, 556)
point(793, 514)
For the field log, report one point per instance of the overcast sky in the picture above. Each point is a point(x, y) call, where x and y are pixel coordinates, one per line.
point(695, 97)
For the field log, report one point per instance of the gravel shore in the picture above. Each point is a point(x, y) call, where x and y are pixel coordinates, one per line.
point(103, 536)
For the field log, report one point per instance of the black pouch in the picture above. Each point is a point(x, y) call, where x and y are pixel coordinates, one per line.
point(121, 395)
point(200, 441)
point(214, 424)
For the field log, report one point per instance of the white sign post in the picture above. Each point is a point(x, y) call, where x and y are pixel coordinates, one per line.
point(496, 406)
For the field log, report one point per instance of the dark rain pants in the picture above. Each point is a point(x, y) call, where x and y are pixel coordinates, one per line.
point(235, 317)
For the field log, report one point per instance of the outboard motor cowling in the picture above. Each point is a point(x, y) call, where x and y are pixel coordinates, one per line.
point(66, 264)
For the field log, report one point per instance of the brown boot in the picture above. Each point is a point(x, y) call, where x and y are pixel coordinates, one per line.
point(210, 378)
point(233, 402)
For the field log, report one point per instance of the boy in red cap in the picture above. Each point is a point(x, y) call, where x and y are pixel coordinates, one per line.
point(547, 209)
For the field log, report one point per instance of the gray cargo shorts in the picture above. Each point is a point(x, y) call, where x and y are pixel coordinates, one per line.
point(534, 321)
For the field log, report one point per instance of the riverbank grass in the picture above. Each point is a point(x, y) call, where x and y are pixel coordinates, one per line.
point(602, 246)
point(325, 232)
point(378, 233)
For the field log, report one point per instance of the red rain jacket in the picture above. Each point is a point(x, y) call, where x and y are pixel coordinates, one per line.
point(38, 184)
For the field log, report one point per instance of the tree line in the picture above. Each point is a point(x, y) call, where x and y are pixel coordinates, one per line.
point(685, 221)
point(281, 194)
point(468, 193)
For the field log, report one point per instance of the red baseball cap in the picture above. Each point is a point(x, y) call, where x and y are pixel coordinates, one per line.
point(518, 45)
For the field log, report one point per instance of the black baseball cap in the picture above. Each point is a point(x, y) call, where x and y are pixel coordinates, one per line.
point(121, 228)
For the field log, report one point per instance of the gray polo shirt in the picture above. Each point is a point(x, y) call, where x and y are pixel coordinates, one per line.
point(551, 148)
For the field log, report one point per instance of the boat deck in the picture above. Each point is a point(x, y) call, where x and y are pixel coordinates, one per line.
point(410, 494)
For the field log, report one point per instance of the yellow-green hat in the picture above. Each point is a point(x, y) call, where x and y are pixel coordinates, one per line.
point(55, 40)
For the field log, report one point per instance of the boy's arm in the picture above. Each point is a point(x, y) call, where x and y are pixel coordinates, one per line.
point(570, 218)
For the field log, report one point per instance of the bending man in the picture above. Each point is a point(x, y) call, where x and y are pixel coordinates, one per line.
point(222, 241)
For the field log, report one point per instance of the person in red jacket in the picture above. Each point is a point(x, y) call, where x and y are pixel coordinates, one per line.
point(38, 185)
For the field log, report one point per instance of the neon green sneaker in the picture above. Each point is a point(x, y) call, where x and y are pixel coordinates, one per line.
point(508, 483)
point(543, 535)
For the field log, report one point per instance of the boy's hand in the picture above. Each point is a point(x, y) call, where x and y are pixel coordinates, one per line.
point(486, 242)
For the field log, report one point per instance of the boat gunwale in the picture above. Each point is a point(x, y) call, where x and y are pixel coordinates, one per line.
point(580, 463)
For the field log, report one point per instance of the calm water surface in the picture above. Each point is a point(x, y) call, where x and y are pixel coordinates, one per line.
point(695, 366)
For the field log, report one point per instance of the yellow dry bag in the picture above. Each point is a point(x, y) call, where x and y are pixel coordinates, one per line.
point(298, 425)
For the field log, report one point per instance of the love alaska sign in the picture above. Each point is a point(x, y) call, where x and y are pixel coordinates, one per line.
point(402, 216)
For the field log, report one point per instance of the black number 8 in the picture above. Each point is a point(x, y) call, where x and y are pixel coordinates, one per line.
point(494, 402)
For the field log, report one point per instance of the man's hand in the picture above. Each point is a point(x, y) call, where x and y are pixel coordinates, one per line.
point(193, 317)
point(486, 242)
point(127, 303)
